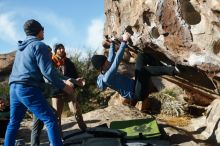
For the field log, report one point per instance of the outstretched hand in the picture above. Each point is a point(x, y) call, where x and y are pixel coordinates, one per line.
point(69, 87)
point(81, 82)
point(68, 82)
point(126, 36)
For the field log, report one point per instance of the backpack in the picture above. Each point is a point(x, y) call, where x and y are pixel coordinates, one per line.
point(96, 136)
point(138, 132)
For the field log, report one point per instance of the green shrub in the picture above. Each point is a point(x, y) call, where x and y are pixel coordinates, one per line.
point(88, 96)
point(4, 91)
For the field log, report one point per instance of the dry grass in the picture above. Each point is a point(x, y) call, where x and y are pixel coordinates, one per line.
point(171, 104)
point(175, 121)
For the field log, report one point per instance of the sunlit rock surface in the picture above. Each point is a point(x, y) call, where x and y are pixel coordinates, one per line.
point(181, 32)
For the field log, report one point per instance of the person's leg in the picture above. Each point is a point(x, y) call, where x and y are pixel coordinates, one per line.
point(141, 84)
point(38, 105)
point(76, 110)
point(57, 104)
point(17, 112)
point(36, 131)
point(147, 64)
point(144, 84)
point(158, 70)
point(144, 59)
point(143, 74)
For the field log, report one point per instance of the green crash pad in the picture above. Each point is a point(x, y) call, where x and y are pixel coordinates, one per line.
point(138, 128)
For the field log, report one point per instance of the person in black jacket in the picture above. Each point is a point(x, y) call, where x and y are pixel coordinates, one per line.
point(68, 69)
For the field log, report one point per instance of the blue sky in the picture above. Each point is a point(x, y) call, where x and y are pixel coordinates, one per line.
point(78, 24)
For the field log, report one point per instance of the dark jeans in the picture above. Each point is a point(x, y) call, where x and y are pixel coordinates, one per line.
point(36, 131)
point(23, 97)
point(147, 66)
point(37, 127)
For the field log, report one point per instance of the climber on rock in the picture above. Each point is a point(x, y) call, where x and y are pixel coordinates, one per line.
point(136, 89)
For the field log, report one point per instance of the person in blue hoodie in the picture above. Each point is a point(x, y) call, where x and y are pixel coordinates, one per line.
point(32, 63)
point(50, 91)
point(136, 89)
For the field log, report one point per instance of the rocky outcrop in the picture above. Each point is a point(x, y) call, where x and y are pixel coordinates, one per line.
point(179, 32)
point(6, 62)
point(211, 124)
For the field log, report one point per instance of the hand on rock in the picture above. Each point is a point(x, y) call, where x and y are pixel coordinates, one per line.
point(126, 36)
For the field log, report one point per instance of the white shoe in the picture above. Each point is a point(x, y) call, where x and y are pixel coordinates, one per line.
point(165, 64)
point(177, 69)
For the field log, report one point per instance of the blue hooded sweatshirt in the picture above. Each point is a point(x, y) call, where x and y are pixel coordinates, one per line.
point(32, 63)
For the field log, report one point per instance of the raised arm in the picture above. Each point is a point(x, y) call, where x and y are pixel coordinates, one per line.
point(114, 67)
point(46, 66)
point(111, 53)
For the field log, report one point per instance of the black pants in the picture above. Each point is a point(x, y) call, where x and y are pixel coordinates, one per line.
point(147, 66)
point(37, 127)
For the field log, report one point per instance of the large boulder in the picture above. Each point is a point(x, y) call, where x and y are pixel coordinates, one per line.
point(6, 62)
point(179, 32)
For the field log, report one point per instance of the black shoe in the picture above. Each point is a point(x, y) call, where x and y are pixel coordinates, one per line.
point(176, 70)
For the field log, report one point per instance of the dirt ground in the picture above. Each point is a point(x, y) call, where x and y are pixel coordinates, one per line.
point(178, 130)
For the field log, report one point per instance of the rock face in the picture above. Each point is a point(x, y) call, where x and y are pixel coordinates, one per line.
point(6, 62)
point(181, 32)
point(211, 125)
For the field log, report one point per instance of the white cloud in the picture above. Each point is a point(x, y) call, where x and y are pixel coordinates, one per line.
point(63, 25)
point(72, 51)
point(51, 41)
point(7, 28)
point(58, 28)
point(95, 35)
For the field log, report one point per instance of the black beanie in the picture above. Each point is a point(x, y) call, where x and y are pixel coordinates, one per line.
point(32, 27)
point(98, 61)
point(57, 46)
